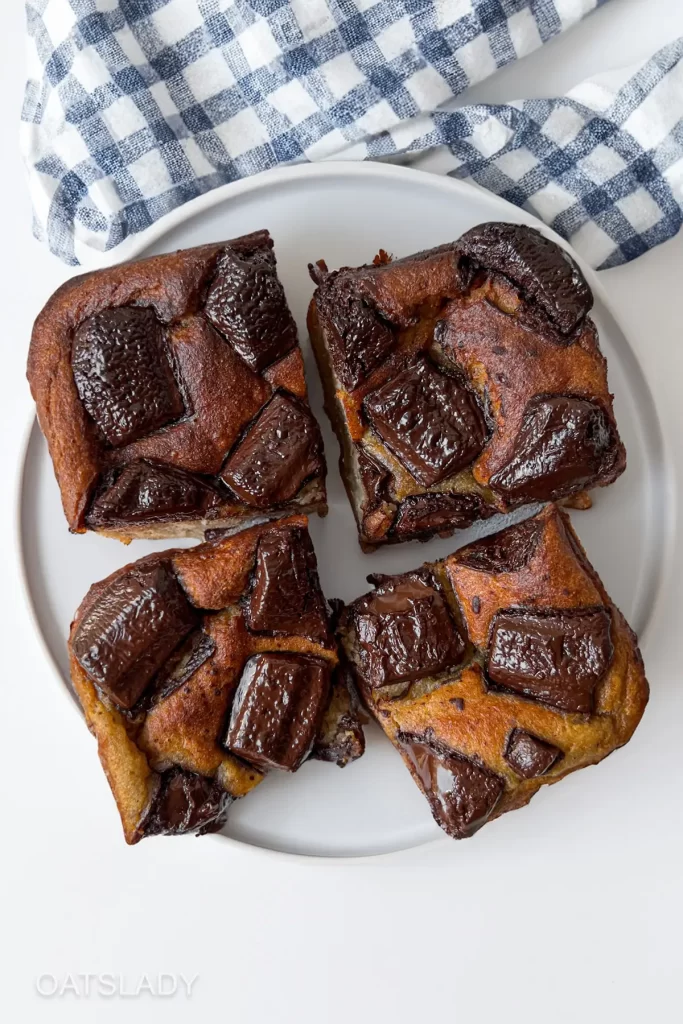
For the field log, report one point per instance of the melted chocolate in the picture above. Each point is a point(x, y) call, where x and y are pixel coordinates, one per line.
point(131, 629)
point(422, 514)
point(286, 595)
point(462, 795)
point(149, 492)
point(542, 270)
point(183, 664)
point(340, 739)
point(374, 477)
point(528, 756)
point(247, 303)
point(564, 444)
point(429, 421)
point(404, 630)
point(277, 710)
point(280, 451)
point(508, 551)
point(187, 803)
point(555, 656)
point(361, 340)
point(123, 373)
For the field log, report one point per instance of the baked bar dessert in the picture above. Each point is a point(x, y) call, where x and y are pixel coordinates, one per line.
point(497, 670)
point(463, 380)
point(171, 392)
point(201, 669)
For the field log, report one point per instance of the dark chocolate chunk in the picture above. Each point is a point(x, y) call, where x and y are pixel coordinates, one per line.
point(374, 477)
point(556, 656)
point(361, 339)
point(149, 492)
point(430, 513)
point(428, 420)
point(183, 664)
point(247, 303)
point(528, 756)
point(340, 738)
point(123, 373)
point(462, 795)
point(277, 709)
point(404, 630)
point(280, 451)
point(564, 444)
point(541, 269)
point(187, 802)
point(508, 551)
point(130, 630)
point(286, 595)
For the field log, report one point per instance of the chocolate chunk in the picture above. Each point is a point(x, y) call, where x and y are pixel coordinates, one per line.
point(528, 756)
point(340, 738)
point(555, 656)
point(508, 551)
point(247, 303)
point(462, 795)
point(149, 492)
point(430, 513)
point(458, 703)
point(361, 340)
point(277, 709)
point(541, 269)
point(374, 477)
point(280, 451)
point(187, 803)
point(286, 595)
point(564, 444)
point(428, 420)
point(183, 664)
point(130, 630)
point(123, 373)
point(404, 630)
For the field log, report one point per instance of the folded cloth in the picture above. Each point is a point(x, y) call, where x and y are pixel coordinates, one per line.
point(602, 165)
point(133, 107)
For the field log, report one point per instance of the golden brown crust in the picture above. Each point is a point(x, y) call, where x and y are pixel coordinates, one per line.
point(221, 393)
point(461, 713)
point(129, 775)
point(185, 727)
point(288, 373)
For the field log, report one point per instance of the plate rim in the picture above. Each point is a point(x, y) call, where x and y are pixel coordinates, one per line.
point(136, 245)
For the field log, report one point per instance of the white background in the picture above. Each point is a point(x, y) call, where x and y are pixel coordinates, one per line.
point(447, 932)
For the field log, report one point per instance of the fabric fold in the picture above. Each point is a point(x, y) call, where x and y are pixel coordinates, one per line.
point(134, 107)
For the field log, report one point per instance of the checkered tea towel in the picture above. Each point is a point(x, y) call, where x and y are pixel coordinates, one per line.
point(133, 107)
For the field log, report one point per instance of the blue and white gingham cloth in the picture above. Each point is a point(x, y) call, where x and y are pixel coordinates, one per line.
point(133, 107)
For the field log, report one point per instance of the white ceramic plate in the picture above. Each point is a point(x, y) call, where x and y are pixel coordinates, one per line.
point(345, 213)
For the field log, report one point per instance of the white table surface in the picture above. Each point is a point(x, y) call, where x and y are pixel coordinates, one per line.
point(402, 938)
